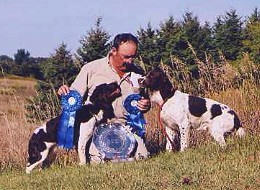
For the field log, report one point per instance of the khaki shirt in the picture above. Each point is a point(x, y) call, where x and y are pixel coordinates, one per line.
point(100, 71)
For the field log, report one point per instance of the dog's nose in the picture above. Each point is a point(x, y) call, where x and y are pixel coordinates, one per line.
point(141, 80)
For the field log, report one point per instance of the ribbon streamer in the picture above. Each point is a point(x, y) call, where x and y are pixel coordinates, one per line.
point(69, 103)
point(134, 118)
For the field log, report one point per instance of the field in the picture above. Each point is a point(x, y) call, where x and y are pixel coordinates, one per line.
point(203, 166)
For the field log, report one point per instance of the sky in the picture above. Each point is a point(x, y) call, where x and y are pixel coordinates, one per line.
point(40, 26)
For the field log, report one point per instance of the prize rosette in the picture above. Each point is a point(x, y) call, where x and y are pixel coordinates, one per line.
point(134, 118)
point(69, 103)
point(113, 141)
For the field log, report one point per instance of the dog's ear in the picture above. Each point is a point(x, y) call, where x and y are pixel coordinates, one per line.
point(132, 67)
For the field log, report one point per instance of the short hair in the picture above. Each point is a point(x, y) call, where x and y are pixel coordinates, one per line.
point(124, 37)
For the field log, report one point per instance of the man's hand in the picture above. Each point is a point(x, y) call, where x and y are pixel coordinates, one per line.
point(144, 105)
point(63, 90)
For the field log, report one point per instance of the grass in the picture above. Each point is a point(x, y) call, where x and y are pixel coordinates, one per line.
point(205, 167)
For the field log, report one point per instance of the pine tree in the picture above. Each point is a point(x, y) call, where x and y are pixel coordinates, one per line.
point(228, 35)
point(95, 44)
point(252, 32)
point(170, 40)
point(148, 47)
point(58, 69)
point(21, 57)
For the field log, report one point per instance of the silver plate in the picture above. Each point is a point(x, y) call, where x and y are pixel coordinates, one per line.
point(114, 141)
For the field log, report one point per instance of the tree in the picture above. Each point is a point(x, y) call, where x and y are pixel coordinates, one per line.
point(6, 64)
point(94, 44)
point(252, 32)
point(228, 35)
point(58, 69)
point(148, 47)
point(170, 40)
point(21, 57)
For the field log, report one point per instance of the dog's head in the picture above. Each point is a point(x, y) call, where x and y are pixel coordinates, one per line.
point(154, 79)
point(105, 93)
point(158, 83)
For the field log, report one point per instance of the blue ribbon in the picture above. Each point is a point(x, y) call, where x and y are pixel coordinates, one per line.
point(69, 103)
point(134, 118)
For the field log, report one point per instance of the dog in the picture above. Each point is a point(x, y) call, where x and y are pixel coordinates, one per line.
point(180, 112)
point(100, 109)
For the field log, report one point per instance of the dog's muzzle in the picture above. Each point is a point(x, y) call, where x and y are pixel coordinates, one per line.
point(141, 81)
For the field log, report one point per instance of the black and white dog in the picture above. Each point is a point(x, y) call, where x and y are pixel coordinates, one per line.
point(99, 110)
point(181, 111)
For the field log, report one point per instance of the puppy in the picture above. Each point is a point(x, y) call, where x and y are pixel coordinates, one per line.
point(181, 111)
point(99, 110)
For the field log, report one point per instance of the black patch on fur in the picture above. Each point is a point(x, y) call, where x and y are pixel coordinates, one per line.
point(215, 110)
point(102, 99)
point(36, 143)
point(197, 106)
point(237, 122)
point(157, 80)
point(132, 67)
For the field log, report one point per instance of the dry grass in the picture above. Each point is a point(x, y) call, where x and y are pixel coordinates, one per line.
point(217, 83)
point(15, 130)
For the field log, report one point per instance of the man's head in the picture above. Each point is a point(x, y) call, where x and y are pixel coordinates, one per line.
point(123, 50)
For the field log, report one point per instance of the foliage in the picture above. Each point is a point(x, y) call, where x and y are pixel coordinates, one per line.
point(21, 56)
point(252, 31)
point(148, 47)
point(228, 35)
point(59, 69)
point(95, 44)
point(22, 65)
point(6, 64)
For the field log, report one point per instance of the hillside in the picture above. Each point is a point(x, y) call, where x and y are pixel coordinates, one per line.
point(203, 166)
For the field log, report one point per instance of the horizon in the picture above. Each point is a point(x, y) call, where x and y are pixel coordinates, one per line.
point(67, 22)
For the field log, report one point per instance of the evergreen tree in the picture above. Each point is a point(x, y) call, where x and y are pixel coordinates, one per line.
point(58, 69)
point(95, 44)
point(21, 57)
point(170, 40)
point(199, 37)
point(177, 39)
point(148, 47)
point(252, 32)
point(228, 35)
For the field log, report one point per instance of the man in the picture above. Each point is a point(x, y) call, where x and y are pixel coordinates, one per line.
point(114, 67)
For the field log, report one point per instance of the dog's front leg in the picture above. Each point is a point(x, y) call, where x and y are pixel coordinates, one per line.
point(86, 131)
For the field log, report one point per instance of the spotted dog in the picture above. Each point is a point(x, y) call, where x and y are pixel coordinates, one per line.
point(180, 112)
point(45, 137)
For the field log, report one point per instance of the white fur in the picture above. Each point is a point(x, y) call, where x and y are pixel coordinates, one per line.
point(86, 131)
point(176, 117)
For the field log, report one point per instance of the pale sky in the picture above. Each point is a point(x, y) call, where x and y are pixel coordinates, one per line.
point(40, 26)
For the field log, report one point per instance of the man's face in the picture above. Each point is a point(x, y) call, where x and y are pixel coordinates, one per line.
point(125, 53)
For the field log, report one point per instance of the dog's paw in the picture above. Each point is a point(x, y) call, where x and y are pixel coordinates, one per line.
point(99, 116)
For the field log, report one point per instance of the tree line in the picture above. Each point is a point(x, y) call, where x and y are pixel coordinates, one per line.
point(186, 40)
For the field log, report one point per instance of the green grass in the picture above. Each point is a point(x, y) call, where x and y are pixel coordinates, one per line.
point(206, 167)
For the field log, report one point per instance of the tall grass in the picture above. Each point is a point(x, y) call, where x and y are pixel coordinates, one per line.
point(235, 84)
point(14, 129)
